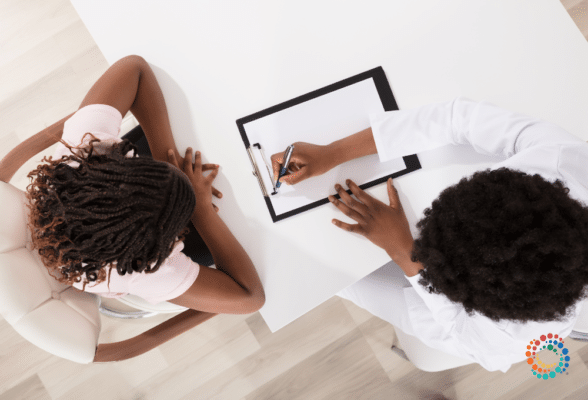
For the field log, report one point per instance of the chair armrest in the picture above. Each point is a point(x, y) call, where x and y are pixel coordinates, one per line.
point(118, 351)
point(29, 148)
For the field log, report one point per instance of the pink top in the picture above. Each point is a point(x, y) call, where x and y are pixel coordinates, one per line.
point(178, 272)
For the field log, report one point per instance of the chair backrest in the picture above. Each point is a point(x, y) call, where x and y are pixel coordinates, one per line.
point(55, 317)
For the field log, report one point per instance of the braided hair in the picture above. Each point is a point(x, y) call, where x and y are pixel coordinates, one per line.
point(108, 211)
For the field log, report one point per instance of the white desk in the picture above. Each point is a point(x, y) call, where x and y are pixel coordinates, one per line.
point(218, 61)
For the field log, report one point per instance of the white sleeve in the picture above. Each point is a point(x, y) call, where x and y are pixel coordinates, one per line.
point(489, 129)
point(445, 326)
point(443, 310)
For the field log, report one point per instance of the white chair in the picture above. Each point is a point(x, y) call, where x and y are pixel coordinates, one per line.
point(136, 307)
point(56, 317)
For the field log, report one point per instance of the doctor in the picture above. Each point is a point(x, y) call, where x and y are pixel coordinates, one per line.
point(501, 257)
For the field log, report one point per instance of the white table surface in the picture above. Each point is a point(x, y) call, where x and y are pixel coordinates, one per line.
point(218, 61)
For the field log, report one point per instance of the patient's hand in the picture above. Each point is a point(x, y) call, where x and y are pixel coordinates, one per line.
point(201, 184)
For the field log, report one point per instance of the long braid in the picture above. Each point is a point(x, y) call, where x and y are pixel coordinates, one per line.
point(109, 210)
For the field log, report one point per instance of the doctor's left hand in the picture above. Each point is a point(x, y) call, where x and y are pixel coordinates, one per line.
point(384, 225)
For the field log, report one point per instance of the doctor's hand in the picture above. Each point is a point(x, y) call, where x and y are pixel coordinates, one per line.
point(307, 160)
point(384, 225)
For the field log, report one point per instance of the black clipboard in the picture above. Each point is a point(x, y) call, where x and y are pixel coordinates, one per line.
point(388, 102)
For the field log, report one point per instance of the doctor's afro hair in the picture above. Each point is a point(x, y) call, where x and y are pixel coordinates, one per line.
point(506, 245)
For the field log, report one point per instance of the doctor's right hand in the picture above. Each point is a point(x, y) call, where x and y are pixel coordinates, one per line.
point(307, 160)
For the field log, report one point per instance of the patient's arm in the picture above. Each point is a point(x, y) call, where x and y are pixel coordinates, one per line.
point(29, 148)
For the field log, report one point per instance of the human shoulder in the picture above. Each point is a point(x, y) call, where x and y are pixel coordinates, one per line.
point(95, 121)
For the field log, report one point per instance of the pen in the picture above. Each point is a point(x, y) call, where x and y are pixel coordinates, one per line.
point(284, 169)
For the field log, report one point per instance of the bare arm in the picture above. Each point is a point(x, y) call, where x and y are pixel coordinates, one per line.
point(234, 287)
point(354, 146)
point(310, 160)
point(130, 85)
point(29, 148)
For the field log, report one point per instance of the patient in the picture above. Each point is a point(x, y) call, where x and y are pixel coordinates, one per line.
point(110, 222)
point(501, 258)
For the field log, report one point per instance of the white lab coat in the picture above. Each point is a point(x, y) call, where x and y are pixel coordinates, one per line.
point(532, 146)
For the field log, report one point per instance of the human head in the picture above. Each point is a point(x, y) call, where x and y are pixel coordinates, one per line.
point(507, 245)
point(106, 209)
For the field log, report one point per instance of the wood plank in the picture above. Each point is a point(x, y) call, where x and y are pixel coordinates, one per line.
point(31, 389)
point(281, 351)
point(345, 369)
point(199, 364)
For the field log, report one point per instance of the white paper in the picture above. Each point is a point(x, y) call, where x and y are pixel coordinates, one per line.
point(321, 120)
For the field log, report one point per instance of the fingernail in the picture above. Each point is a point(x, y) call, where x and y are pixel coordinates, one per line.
point(348, 181)
point(333, 222)
point(337, 186)
point(170, 152)
point(197, 153)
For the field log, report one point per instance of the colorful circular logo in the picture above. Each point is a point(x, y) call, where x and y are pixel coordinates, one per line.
point(551, 343)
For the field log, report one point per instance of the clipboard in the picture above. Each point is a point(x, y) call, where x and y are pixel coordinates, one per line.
point(321, 117)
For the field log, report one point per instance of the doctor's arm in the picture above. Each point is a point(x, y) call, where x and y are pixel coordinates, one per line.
point(310, 160)
point(489, 129)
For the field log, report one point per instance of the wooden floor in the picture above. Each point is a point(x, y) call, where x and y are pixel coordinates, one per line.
point(47, 63)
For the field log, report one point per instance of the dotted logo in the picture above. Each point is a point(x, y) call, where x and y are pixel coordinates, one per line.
point(550, 343)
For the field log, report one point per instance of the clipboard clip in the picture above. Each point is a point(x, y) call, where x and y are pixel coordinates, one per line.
point(256, 169)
